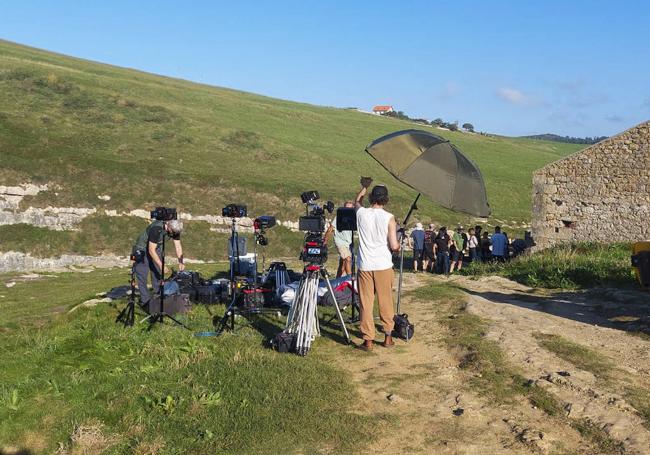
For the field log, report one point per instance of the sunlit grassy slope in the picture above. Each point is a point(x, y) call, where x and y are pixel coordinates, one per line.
point(91, 129)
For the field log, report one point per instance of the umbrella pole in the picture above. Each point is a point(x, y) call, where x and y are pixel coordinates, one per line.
point(401, 251)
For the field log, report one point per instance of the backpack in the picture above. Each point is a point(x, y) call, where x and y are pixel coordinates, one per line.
point(403, 328)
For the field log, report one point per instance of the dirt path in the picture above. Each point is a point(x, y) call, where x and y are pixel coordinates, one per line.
point(516, 314)
point(415, 388)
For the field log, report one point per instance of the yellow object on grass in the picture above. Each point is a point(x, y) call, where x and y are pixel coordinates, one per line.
point(641, 262)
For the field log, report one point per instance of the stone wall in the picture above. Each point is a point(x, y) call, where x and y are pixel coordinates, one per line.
point(600, 194)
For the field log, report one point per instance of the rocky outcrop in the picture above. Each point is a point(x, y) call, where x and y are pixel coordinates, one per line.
point(55, 218)
point(66, 218)
point(10, 196)
point(14, 261)
point(600, 194)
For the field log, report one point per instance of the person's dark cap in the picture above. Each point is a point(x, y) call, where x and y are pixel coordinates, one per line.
point(379, 191)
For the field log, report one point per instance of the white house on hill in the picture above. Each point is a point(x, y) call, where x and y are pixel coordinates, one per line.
point(380, 110)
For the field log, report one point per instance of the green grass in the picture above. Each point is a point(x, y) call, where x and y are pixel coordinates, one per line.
point(68, 373)
point(573, 266)
point(90, 129)
point(602, 440)
point(577, 354)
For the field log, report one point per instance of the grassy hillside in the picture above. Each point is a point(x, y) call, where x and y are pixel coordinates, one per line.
point(90, 129)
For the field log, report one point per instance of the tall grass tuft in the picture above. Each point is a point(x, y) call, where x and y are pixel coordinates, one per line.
point(571, 266)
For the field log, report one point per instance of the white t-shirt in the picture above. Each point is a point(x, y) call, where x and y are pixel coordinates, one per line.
point(374, 253)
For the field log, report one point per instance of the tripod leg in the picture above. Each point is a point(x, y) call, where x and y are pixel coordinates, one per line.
point(336, 306)
point(162, 315)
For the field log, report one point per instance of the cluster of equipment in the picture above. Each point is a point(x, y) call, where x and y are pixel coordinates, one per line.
point(244, 291)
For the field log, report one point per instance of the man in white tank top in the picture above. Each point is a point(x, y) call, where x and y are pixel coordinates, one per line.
point(377, 239)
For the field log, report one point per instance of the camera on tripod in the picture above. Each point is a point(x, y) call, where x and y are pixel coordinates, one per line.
point(164, 214)
point(313, 223)
point(234, 211)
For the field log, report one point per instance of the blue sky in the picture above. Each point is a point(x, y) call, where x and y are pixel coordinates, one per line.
point(580, 68)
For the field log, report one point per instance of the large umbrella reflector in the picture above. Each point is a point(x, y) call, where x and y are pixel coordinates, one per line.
point(434, 167)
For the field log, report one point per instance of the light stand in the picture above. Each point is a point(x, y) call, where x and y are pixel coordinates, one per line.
point(401, 251)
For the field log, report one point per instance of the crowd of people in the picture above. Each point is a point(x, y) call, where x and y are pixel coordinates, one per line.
point(445, 250)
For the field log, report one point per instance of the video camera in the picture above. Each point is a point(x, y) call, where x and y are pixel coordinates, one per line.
point(313, 223)
point(234, 211)
point(260, 224)
point(164, 214)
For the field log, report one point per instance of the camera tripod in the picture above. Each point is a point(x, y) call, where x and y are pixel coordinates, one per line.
point(127, 315)
point(302, 319)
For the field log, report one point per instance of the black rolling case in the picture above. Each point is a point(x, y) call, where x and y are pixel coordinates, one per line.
point(173, 304)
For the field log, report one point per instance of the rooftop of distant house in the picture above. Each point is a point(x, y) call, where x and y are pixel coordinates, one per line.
point(382, 108)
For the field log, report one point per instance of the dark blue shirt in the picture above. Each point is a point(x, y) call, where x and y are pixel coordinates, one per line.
point(498, 244)
point(418, 239)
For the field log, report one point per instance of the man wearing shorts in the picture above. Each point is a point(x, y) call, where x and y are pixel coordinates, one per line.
point(417, 243)
point(429, 257)
point(342, 241)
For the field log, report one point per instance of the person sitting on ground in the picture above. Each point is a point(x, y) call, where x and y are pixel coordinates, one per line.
point(342, 242)
point(377, 231)
point(441, 246)
point(499, 244)
point(472, 244)
point(429, 257)
point(149, 257)
point(456, 250)
point(486, 252)
point(417, 243)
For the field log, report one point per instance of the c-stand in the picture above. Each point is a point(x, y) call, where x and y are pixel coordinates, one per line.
point(346, 220)
point(401, 251)
point(227, 321)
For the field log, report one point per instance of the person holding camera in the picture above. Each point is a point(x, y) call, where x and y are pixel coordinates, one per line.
point(377, 239)
point(147, 254)
point(342, 241)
